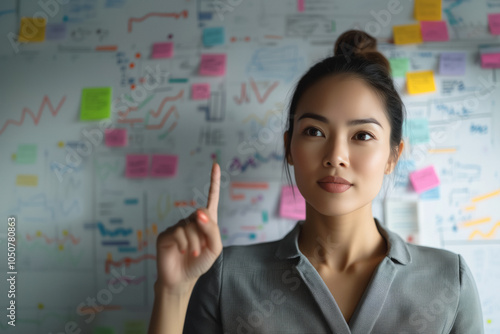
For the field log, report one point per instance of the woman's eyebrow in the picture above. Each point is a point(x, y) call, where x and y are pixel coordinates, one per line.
point(350, 123)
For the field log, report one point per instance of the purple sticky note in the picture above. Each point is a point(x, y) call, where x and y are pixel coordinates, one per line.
point(494, 22)
point(424, 179)
point(452, 63)
point(137, 166)
point(200, 91)
point(164, 165)
point(55, 31)
point(163, 50)
point(434, 31)
point(490, 60)
point(116, 137)
point(290, 207)
point(213, 64)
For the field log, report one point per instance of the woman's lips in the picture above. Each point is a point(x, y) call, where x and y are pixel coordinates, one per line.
point(334, 187)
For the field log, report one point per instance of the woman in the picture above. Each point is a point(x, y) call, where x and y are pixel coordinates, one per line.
point(339, 270)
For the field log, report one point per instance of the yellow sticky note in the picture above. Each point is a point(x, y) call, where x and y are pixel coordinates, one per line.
point(27, 180)
point(96, 103)
point(407, 34)
point(32, 29)
point(428, 10)
point(420, 82)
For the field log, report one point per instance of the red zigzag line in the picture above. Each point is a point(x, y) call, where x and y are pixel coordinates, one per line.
point(131, 20)
point(36, 118)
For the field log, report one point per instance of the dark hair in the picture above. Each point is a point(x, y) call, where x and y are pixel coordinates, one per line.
point(355, 53)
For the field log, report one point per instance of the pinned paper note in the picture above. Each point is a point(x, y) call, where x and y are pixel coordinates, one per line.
point(401, 217)
point(434, 31)
point(407, 34)
point(26, 180)
point(490, 60)
point(424, 179)
point(420, 82)
point(137, 166)
point(26, 154)
point(399, 66)
point(116, 137)
point(494, 23)
point(163, 50)
point(452, 63)
point(95, 103)
point(32, 29)
point(213, 36)
point(213, 64)
point(164, 165)
point(428, 10)
point(290, 207)
point(200, 91)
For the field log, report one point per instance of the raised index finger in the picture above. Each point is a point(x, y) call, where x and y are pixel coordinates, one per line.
point(213, 194)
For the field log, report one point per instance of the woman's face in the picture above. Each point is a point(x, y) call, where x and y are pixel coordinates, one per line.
point(358, 152)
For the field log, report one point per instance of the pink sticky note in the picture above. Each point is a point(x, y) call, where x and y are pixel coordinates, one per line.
point(434, 31)
point(213, 64)
point(137, 166)
point(164, 165)
point(494, 22)
point(163, 50)
point(424, 179)
point(200, 91)
point(290, 207)
point(115, 137)
point(490, 60)
point(300, 5)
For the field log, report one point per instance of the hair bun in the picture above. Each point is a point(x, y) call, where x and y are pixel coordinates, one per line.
point(359, 43)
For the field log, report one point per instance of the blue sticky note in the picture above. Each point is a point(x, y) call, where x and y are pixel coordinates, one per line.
point(452, 63)
point(213, 36)
point(430, 194)
point(417, 129)
point(55, 31)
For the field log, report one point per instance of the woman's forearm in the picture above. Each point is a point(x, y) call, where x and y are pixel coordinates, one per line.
point(169, 310)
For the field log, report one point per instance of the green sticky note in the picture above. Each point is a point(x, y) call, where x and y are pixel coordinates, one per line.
point(26, 154)
point(96, 103)
point(399, 66)
point(417, 129)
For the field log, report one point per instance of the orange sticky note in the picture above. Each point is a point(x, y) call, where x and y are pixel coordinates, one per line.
point(32, 29)
point(213, 64)
point(164, 165)
point(290, 207)
point(429, 10)
point(420, 82)
point(407, 34)
point(137, 166)
point(200, 91)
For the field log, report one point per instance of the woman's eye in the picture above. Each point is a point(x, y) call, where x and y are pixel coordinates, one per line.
point(313, 130)
point(363, 133)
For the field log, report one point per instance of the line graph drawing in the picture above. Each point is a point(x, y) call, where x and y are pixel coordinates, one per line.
point(183, 14)
point(36, 118)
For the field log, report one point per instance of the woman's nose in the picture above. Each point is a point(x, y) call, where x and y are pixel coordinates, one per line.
point(337, 154)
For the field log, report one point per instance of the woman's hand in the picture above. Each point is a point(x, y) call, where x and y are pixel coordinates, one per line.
point(188, 249)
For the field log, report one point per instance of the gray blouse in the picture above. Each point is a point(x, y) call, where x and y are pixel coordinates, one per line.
point(273, 288)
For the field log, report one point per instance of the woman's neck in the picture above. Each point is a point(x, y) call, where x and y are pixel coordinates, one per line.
point(340, 242)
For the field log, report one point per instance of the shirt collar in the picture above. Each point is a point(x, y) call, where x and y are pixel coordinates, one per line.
point(397, 248)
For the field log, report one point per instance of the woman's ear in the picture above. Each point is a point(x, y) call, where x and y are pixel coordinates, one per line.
point(392, 162)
